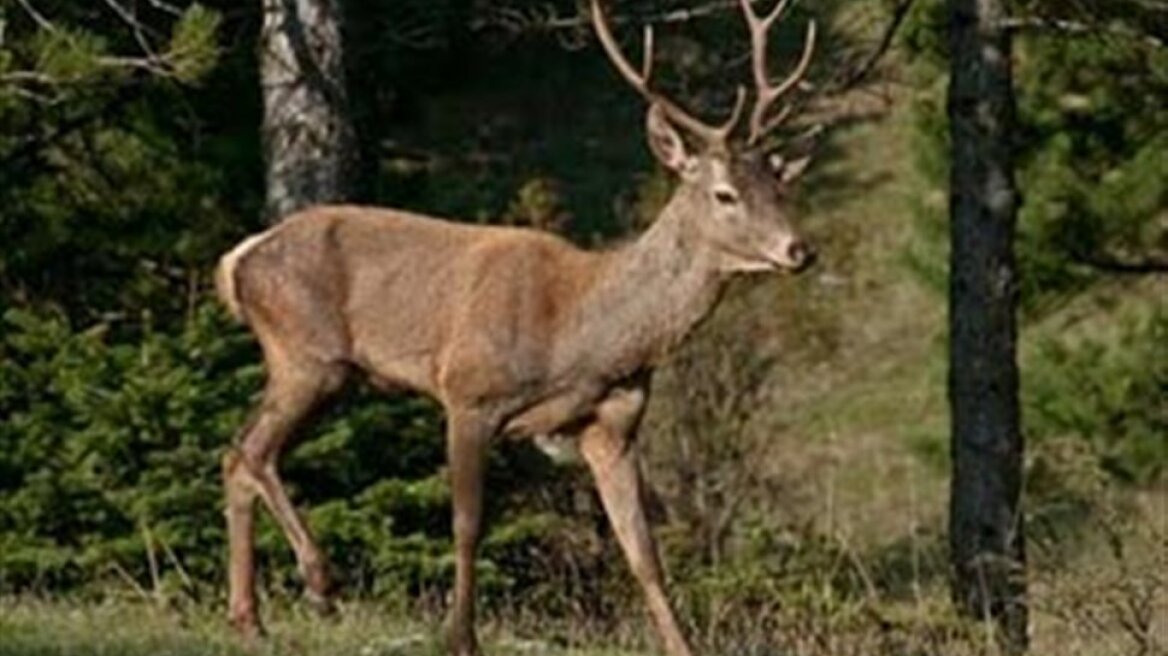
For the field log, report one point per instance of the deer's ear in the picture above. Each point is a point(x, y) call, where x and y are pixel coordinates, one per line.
point(790, 171)
point(801, 151)
point(666, 143)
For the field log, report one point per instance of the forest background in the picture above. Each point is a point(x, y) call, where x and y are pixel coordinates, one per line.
point(797, 447)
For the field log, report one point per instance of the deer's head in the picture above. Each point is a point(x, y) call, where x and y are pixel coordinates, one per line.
point(738, 188)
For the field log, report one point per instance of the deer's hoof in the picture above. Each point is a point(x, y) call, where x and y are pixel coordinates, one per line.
point(322, 605)
point(247, 627)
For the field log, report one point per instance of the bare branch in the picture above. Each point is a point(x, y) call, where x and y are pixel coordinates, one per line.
point(1108, 263)
point(39, 18)
point(135, 25)
point(536, 21)
point(157, 65)
point(25, 77)
point(821, 106)
point(166, 7)
point(1040, 24)
point(869, 63)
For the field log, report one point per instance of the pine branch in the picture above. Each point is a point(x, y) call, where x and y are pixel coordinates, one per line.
point(24, 156)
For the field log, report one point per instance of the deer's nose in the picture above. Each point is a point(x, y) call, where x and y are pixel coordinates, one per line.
point(800, 254)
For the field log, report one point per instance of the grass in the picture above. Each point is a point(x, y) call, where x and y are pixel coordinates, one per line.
point(1102, 593)
point(39, 627)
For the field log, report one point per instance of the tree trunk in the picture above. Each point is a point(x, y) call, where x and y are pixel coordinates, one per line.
point(986, 536)
point(308, 133)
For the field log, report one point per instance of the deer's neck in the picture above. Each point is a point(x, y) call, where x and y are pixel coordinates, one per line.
point(649, 294)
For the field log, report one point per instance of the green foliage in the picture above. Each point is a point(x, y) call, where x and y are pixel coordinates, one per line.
point(193, 49)
point(1109, 393)
point(70, 53)
point(1092, 147)
point(67, 55)
point(94, 148)
point(1096, 149)
point(104, 443)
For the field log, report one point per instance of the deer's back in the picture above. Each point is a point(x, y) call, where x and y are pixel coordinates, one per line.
point(441, 307)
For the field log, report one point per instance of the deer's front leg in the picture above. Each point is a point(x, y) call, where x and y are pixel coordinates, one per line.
point(607, 446)
point(468, 436)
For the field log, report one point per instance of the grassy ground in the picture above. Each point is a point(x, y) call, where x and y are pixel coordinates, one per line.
point(1102, 594)
point(31, 627)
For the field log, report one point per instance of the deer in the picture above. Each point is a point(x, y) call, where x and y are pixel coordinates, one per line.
point(517, 333)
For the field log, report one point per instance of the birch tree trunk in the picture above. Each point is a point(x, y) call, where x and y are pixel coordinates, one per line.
point(309, 141)
point(986, 531)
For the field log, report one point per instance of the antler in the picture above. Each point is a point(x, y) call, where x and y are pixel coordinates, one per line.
point(768, 94)
point(712, 134)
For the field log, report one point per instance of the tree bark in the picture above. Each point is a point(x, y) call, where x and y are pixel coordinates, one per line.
point(986, 537)
point(309, 141)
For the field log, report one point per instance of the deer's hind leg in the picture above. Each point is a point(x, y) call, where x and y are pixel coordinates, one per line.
point(293, 390)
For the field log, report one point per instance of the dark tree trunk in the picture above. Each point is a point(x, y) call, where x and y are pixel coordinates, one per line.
point(308, 133)
point(986, 530)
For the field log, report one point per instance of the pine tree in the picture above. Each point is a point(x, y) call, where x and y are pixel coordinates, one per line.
point(986, 530)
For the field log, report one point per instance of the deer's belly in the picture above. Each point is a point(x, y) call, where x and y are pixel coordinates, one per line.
point(564, 413)
point(562, 448)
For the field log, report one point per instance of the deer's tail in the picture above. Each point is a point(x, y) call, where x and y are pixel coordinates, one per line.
point(225, 274)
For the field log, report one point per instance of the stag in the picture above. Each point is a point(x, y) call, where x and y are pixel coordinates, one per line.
point(515, 332)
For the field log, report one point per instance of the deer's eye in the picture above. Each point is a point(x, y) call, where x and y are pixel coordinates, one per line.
point(725, 196)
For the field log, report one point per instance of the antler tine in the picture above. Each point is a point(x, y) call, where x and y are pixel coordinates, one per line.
point(647, 56)
point(768, 93)
point(731, 122)
point(712, 135)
